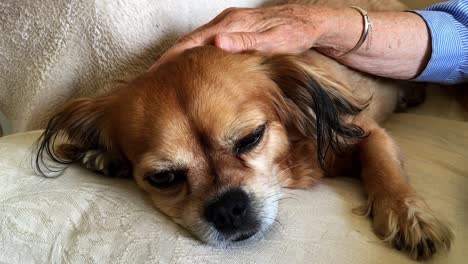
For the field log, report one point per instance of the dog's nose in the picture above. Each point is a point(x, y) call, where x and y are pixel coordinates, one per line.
point(230, 212)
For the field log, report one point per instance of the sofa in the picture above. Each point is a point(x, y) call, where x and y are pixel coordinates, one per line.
point(83, 217)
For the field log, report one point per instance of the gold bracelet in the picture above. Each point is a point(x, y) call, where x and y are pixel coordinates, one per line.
point(365, 32)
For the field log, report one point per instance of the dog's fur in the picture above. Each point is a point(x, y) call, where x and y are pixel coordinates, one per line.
point(188, 116)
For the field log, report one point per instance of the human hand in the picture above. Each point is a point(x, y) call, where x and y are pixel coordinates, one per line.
point(278, 29)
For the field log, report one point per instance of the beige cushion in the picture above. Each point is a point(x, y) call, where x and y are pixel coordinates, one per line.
point(83, 218)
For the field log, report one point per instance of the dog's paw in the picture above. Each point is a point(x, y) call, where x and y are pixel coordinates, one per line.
point(106, 164)
point(411, 226)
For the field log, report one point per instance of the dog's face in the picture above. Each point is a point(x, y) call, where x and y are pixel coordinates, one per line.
point(208, 135)
point(206, 144)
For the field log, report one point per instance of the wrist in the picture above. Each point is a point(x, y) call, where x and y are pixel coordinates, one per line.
point(339, 32)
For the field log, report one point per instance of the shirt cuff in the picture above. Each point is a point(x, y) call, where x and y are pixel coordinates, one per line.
point(446, 42)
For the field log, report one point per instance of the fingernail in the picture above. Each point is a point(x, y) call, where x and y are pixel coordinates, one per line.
point(154, 66)
point(226, 43)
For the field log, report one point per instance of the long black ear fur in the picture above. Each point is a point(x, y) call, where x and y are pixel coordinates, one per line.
point(82, 125)
point(316, 106)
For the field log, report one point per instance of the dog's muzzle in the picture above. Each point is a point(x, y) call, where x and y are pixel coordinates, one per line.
point(233, 215)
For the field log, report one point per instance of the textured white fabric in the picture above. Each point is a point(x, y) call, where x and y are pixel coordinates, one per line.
point(81, 217)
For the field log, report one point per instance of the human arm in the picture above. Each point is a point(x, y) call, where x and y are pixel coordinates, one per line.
point(399, 45)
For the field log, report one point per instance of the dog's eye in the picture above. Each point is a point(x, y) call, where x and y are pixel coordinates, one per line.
point(250, 141)
point(165, 179)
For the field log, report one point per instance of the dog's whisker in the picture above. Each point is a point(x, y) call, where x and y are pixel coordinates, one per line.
point(278, 176)
point(291, 152)
point(265, 199)
point(275, 224)
point(168, 206)
point(175, 233)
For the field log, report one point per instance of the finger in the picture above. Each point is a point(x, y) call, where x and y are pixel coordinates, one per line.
point(208, 29)
point(201, 36)
point(243, 41)
point(172, 53)
point(197, 35)
point(273, 40)
point(223, 14)
point(237, 42)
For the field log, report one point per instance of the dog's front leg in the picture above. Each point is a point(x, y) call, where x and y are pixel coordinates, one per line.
point(400, 216)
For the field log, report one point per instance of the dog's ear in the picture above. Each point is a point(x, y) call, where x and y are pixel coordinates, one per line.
point(316, 106)
point(82, 125)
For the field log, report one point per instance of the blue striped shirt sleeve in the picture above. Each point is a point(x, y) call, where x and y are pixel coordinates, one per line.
point(448, 26)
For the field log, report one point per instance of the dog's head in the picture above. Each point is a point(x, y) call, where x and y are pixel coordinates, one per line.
point(208, 134)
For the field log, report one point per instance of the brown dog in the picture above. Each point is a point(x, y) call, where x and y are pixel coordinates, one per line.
point(212, 136)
